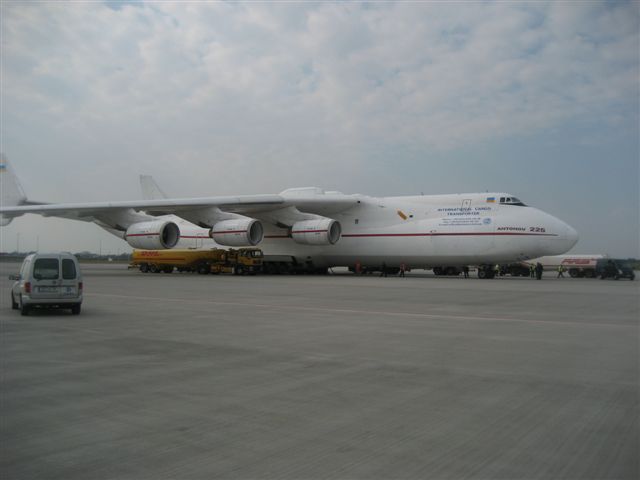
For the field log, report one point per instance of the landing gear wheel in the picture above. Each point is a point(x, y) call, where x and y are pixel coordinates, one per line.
point(486, 273)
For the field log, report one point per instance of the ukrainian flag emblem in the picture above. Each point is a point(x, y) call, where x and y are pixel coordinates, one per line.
point(491, 199)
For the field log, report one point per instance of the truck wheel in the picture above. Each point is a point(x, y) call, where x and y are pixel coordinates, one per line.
point(153, 268)
point(14, 304)
point(203, 269)
point(573, 273)
point(75, 309)
point(144, 268)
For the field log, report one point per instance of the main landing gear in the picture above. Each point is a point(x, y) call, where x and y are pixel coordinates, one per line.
point(486, 271)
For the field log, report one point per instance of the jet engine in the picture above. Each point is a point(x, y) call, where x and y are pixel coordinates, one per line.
point(154, 235)
point(316, 232)
point(237, 233)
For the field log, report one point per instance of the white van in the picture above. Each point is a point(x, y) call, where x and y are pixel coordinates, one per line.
point(51, 280)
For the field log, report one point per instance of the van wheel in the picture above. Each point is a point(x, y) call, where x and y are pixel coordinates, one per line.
point(14, 304)
point(75, 309)
point(24, 309)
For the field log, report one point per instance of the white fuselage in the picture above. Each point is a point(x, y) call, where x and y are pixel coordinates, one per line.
point(421, 231)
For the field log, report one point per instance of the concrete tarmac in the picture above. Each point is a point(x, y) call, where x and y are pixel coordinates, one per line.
point(322, 377)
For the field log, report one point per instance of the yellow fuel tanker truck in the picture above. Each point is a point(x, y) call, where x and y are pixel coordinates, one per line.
point(240, 261)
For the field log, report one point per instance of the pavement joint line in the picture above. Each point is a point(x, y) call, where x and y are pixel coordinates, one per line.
point(362, 312)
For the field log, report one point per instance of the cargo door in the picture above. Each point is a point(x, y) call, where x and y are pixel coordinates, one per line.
point(69, 280)
point(46, 278)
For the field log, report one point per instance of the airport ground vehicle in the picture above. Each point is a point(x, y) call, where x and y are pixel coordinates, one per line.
point(51, 280)
point(238, 261)
point(614, 268)
point(576, 266)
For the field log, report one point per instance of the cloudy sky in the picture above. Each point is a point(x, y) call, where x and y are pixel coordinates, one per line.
point(537, 99)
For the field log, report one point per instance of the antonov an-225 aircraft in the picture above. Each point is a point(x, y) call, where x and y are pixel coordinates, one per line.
point(325, 229)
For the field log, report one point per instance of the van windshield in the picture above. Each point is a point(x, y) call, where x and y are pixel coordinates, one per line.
point(46, 269)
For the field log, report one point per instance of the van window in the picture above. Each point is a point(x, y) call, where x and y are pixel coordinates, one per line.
point(46, 269)
point(68, 269)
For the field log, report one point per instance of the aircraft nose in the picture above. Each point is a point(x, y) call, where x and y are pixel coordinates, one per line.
point(571, 236)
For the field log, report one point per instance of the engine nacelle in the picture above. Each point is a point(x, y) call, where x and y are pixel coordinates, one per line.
point(237, 233)
point(155, 235)
point(316, 232)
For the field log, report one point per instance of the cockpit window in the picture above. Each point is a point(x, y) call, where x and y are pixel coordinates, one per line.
point(511, 201)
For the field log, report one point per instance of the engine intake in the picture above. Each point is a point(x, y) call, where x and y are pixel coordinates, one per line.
point(316, 232)
point(156, 235)
point(237, 233)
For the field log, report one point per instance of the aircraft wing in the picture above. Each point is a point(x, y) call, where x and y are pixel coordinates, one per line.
point(243, 204)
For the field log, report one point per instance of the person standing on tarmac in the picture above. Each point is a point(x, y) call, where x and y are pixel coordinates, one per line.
point(532, 271)
point(383, 273)
point(403, 267)
point(465, 270)
point(496, 270)
point(560, 272)
point(539, 269)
